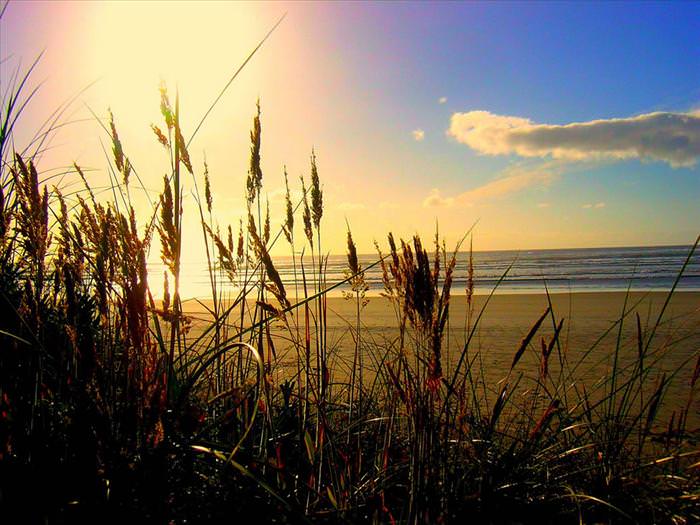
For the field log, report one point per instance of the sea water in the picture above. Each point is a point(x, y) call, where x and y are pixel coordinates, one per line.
point(529, 271)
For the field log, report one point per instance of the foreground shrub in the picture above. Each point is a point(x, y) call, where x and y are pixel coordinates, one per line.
point(113, 406)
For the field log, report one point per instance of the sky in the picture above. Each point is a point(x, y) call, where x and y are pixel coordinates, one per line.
point(548, 125)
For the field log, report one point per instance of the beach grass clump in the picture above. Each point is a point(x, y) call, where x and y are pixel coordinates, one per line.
point(115, 403)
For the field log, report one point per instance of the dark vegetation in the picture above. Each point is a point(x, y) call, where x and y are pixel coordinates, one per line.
point(113, 408)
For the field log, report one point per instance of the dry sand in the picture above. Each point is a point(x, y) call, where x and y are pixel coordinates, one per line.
point(507, 318)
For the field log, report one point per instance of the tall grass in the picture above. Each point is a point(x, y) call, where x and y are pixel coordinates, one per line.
point(117, 403)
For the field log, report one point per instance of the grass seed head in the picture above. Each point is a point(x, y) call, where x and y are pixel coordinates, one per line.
point(254, 180)
point(277, 286)
point(353, 264)
point(308, 230)
point(160, 136)
point(183, 154)
point(116, 144)
point(316, 193)
point(288, 226)
point(166, 228)
point(165, 107)
point(207, 187)
point(240, 252)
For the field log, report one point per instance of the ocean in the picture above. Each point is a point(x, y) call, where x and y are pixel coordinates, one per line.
point(562, 270)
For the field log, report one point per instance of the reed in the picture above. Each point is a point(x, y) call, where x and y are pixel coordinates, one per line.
point(117, 403)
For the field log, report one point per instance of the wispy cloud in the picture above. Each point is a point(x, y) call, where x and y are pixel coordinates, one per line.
point(279, 194)
point(418, 134)
point(517, 180)
point(596, 206)
point(543, 205)
point(442, 100)
point(673, 138)
point(512, 179)
point(388, 205)
point(436, 200)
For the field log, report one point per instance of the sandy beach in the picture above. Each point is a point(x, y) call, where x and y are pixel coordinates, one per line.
point(587, 340)
point(507, 318)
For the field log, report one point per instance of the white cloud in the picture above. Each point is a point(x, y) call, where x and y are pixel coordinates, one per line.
point(597, 205)
point(435, 200)
point(442, 100)
point(673, 138)
point(543, 205)
point(351, 206)
point(587, 206)
point(418, 134)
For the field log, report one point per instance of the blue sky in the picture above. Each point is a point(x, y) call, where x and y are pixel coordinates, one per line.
point(361, 82)
point(553, 63)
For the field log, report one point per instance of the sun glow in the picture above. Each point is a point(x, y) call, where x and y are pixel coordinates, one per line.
point(140, 44)
point(131, 48)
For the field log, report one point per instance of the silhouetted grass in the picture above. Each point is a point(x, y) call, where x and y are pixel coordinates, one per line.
point(114, 408)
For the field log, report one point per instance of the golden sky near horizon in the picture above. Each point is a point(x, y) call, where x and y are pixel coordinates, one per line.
point(347, 80)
